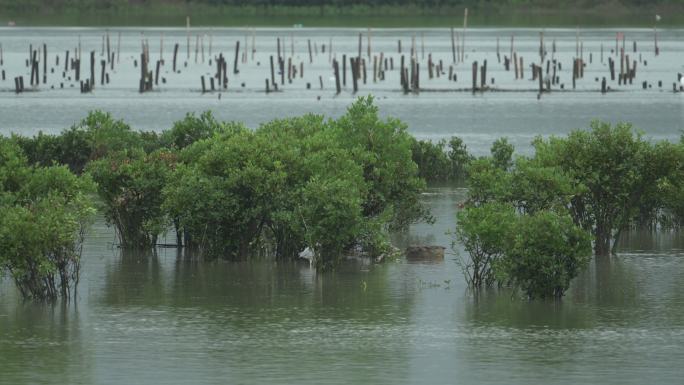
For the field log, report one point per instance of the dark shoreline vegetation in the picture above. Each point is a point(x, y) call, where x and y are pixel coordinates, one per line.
point(336, 187)
point(348, 13)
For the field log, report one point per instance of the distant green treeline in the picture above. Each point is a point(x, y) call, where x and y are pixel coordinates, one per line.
point(377, 13)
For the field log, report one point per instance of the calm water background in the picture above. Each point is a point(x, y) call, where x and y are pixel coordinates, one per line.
point(170, 319)
point(441, 111)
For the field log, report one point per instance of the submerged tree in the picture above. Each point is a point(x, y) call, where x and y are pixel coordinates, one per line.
point(539, 253)
point(619, 173)
point(441, 161)
point(485, 232)
point(96, 136)
point(296, 183)
point(129, 184)
point(590, 185)
point(46, 211)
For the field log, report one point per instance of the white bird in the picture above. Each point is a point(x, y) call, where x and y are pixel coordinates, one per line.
point(657, 17)
point(307, 254)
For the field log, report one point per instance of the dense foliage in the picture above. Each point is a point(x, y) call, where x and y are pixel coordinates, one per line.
point(94, 137)
point(529, 221)
point(333, 186)
point(441, 161)
point(45, 212)
point(129, 184)
point(540, 253)
point(295, 183)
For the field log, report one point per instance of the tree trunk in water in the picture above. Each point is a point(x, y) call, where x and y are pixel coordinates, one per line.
point(602, 242)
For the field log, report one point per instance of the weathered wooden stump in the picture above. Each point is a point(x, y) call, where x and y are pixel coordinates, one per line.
point(425, 253)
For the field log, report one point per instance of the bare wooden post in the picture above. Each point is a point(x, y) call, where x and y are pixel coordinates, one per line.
point(34, 68)
point(272, 71)
point(622, 63)
point(365, 73)
point(520, 67)
point(483, 75)
point(474, 76)
point(330, 48)
point(359, 55)
point(611, 65)
point(422, 45)
point(541, 82)
point(196, 48)
point(253, 43)
point(175, 53)
point(603, 85)
point(237, 53)
point(109, 54)
point(291, 44)
point(211, 38)
point(453, 45)
point(244, 53)
point(369, 44)
point(77, 69)
point(375, 69)
point(344, 70)
point(204, 87)
point(354, 69)
point(92, 70)
point(103, 64)
point(289, 70)
point(202, 46)
point(224, 67)
point(187, 30)
point(498, 55)
point(336, 68)
point(118, 48)
point(44, 63)
point(515, 64)
point(310, 54)
point(628, 72)
point(463, 38)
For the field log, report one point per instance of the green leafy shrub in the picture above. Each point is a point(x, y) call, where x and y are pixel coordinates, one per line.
point(547, 252)
point(45, 212)
point(130, 184)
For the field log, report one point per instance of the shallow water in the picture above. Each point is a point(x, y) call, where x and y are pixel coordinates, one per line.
point(441, 110)
point(169, 319)
point(166, 319)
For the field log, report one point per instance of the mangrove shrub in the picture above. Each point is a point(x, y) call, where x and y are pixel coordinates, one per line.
point(45, 212)
point(129, 184)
